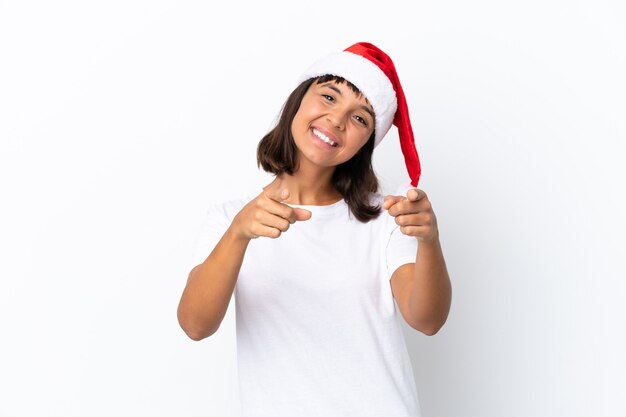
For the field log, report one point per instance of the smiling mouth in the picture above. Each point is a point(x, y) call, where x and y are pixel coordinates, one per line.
point(323, 137)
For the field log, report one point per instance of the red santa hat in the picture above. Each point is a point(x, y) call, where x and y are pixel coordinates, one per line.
point(373, 73)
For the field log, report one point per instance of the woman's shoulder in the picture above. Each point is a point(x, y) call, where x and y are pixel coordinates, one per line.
point(227, 208)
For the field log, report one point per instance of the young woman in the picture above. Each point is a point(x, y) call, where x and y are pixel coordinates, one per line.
point(317, 258)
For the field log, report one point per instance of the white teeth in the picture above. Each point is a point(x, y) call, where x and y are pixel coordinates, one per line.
point(323, 137)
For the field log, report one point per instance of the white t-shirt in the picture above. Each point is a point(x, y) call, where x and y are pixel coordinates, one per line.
point(318, 333)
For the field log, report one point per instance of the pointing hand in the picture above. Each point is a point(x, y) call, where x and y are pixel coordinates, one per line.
point(267, 215)
point(414, 214)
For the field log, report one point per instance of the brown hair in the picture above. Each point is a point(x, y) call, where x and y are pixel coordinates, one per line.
point(354, 179)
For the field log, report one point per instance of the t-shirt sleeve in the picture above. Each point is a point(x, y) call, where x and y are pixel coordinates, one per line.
point(401, 249)
point(211, 229)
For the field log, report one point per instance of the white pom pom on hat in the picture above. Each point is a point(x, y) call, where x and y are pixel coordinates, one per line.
point(372, 71)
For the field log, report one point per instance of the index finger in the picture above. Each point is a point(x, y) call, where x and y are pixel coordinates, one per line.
point(277, 207)
point(390, 200)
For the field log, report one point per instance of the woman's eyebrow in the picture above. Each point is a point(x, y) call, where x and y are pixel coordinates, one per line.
point(364, 107)
point(332, 87)
point(367, 109)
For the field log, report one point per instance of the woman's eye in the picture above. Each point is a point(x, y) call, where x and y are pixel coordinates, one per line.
point(327, 97)
point(361, 120)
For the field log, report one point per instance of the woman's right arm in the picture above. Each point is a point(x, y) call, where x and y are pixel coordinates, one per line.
point(210, 285)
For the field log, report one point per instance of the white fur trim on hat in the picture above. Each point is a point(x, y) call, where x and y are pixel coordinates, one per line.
point(367, 77)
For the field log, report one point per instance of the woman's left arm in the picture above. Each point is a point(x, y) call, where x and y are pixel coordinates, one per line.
point(422, 290)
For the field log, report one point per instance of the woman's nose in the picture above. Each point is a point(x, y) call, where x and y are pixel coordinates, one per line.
point(337, 119)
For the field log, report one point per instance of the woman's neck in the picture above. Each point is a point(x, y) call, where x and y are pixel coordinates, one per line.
point(311, 189)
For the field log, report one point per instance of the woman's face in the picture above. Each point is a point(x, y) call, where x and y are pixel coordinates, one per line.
point(331, 124)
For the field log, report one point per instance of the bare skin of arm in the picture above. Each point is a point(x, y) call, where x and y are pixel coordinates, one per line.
point(210, 285)
point(422, 290)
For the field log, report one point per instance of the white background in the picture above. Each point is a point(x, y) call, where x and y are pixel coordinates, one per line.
point(121, 121)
